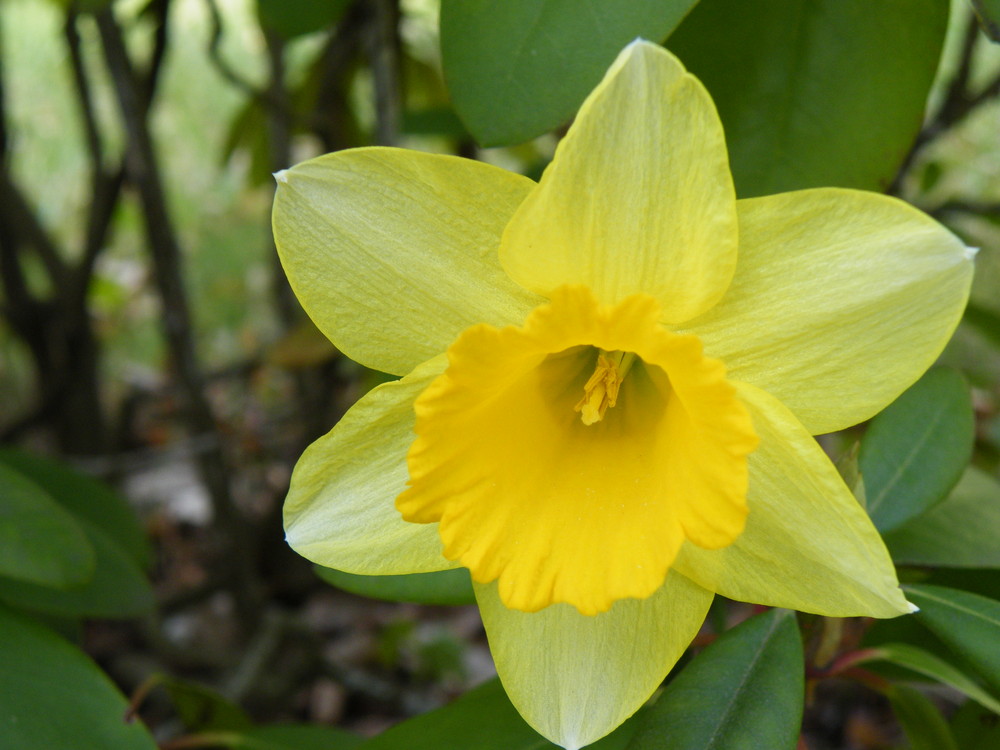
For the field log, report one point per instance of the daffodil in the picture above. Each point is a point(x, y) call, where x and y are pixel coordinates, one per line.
point(611, 379)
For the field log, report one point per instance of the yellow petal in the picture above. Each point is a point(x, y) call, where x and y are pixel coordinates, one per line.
point(575, 678)
point(340, 512)
point(808, 544)
point(565, 511)
point(639, 197)
point(841, 300)
point(392, 253)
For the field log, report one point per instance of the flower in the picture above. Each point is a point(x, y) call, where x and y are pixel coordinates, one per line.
point(611, 380)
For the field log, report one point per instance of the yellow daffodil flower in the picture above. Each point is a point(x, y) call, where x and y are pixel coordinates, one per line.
point(611, 380)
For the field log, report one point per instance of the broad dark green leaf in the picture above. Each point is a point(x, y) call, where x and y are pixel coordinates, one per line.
point(915, 451)
point(962, 531)
point(482, 719)
point(85, 497)
point(922, 722)
point(815, 92)
point(518, 68)
point(743, 692)
point(444, 587)
point(53, 696)
point(202, 709)
point(439, 121)
point(292, 18)
point(117, 589)
point(968, 623)
point(39, 541)
point(988, 14)
point(927, 664)
point(975, 728)
point(287, 737)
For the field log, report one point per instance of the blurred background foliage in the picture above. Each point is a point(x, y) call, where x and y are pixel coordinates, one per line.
point(158, 381)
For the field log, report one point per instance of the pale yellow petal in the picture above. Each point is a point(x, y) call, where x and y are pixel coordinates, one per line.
point(575, 678)
point(841, 300)
point(340, 509)
point(393, 252)
point(639, 197)
point(808, 544)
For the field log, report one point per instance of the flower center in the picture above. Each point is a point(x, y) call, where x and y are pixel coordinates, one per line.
point(601, 391)
point(559, 511)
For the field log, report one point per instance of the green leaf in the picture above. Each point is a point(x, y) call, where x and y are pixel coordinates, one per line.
point(117, 589)
point(988, 15)
point(974, 728)
point(53, 696)
point(927, 664)
point(743, 692)
point(202, 709)
point(433, 121)
point(482, 719)
point(815, 92)
point(292, 737)
point(922, 722)
point(968, 623)
point(518, 68)
point(444, 587)
point(85, 497)
point(292, 18)
point(915, 451)
point(963, 531)
point(39, 541)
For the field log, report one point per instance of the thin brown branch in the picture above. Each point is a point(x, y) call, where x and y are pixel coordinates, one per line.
point(383, 54)
point(958, 103)
point(160, 10)
point(27, 229)
point(106, 185)
point(965, 207)
point(143, 172)
point(215, 53)
point(95, 148)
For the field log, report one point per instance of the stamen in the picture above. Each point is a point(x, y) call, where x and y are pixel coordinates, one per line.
point(600, 392)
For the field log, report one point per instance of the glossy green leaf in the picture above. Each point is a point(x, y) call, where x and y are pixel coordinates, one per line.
point(963, 531)
point(292, 18)
point(815, 92)
point(518, 68)
point(916, 450)
point(482, 719)
point(975, 728)
point(291, 737)
point(297, 737)
point(927, 664)
point(117, 589)
point(86, 498)
point(968, 623)
point(53, 696)
point(988, 15)
point(444, 587)
point(743, 692)
point(922, 722)
point(39, 541)
point(202, 709)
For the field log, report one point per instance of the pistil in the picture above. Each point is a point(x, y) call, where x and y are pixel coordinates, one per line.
point(600, 392)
